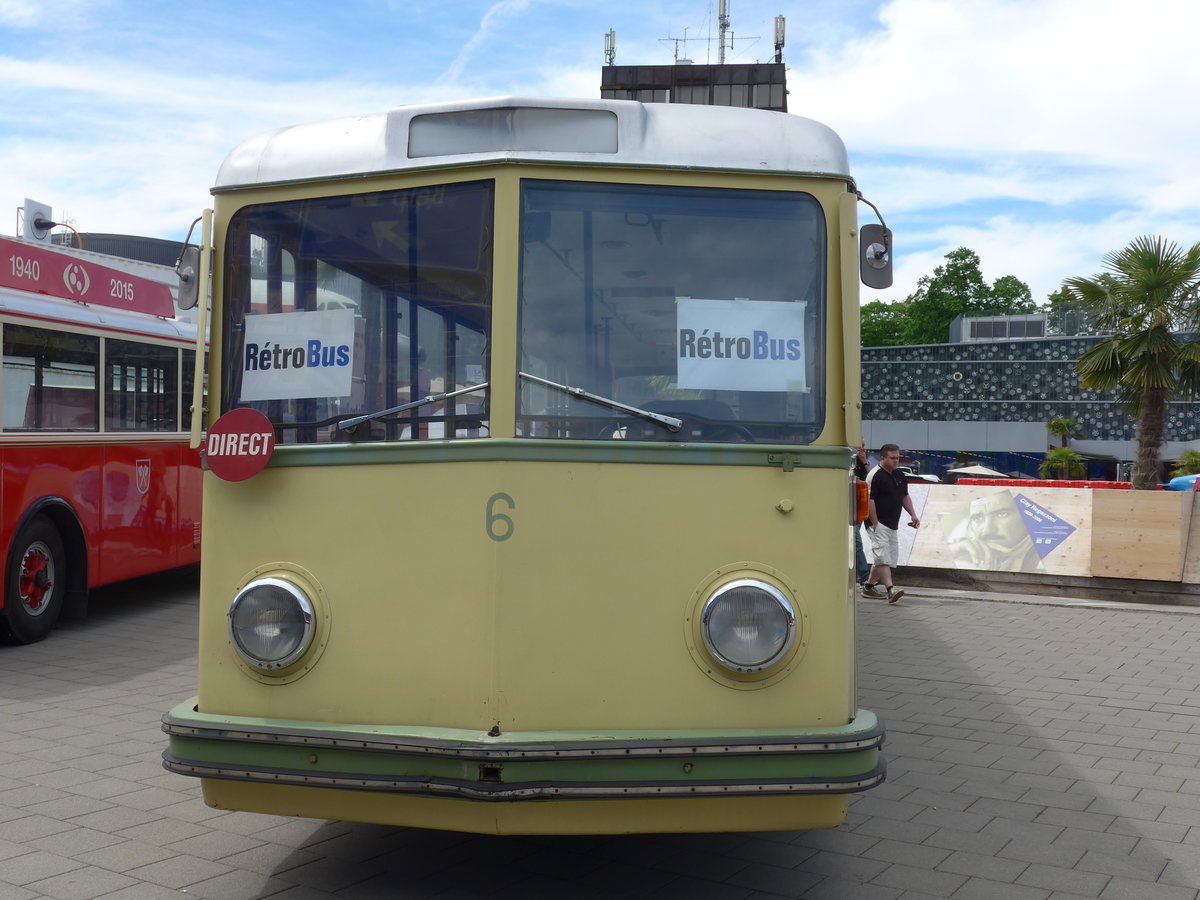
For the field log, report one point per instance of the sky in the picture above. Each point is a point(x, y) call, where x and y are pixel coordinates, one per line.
point(1042, 134)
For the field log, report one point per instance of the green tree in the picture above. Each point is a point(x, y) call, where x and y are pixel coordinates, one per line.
point(952, 289)
point(1187, 464)
point(1061, 462)
point(955, 288)
point(1010, 294)
point(1148, 294)
point(1064, 429)
point(883, 323)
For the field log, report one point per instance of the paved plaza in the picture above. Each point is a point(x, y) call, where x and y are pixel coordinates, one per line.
point(1036, 751)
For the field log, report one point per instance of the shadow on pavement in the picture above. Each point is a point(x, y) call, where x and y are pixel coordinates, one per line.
point(1033, 751)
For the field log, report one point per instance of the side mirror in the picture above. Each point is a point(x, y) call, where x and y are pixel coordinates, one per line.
point(875, 256)
point(187, 267)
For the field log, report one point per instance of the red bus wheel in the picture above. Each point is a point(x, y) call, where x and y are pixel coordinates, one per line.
point(34, 583)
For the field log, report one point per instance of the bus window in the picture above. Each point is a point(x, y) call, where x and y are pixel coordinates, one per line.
point(702, 304)
point(50, 380)
point(142, 387)
point(346, 306)
point(188, 378)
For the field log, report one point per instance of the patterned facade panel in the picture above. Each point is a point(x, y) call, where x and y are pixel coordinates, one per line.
point(1008, 381)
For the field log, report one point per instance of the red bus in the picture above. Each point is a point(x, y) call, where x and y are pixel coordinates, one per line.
point(97, 480)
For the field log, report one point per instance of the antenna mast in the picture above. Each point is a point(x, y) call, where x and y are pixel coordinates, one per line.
point(684, 41)
point(610, 47)
point(779, 28)
point(722, 29)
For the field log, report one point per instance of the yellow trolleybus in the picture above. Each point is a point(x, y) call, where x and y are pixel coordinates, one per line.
point(529, 507)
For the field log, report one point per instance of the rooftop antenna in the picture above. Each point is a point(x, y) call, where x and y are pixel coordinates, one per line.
point(610, 47)
point(683, 40)
point(722, 29)
point(725, 37)
point(779, 28)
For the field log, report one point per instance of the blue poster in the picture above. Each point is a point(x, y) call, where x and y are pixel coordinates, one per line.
point(1046, 529)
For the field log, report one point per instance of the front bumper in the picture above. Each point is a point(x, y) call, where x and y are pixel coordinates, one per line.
point(472, 765)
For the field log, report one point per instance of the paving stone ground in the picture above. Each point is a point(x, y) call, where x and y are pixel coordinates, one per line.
point(1037, 752)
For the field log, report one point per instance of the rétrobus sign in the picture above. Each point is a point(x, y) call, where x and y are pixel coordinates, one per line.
point(27, 267)
point(290, 356)
point(740, 345)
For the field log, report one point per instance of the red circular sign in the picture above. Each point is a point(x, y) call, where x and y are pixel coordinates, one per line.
point(239, 444)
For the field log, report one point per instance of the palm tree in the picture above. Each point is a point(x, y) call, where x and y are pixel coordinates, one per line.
point(1064, 428)
point(1149, 294)
point(1187, 464)
point(1061, 462)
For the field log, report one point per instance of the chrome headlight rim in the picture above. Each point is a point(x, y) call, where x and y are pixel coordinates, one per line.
point(308, 611)
point(782, 605)
point(693, 626)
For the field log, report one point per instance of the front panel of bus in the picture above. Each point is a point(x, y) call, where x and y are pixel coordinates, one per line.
point(624, 534)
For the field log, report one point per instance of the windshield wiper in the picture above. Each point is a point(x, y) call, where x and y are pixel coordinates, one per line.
point(351, 424)
point(669, 422)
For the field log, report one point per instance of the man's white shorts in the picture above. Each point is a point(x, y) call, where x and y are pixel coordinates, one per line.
point(885, 545)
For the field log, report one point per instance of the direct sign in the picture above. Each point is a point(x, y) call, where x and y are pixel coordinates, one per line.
point(239, 444)
point(39, 270)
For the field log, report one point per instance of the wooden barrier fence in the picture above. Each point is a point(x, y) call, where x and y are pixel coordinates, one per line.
point(1031, 528)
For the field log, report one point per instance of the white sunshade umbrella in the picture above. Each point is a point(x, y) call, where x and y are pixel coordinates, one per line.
point(981, 471)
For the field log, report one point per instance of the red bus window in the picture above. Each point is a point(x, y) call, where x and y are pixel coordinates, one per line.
point(141, 387)
point(50, 380)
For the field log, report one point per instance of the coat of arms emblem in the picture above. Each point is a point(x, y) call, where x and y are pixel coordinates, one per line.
point(142, 474)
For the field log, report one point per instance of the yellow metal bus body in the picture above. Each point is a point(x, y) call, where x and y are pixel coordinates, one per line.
point(531, 606)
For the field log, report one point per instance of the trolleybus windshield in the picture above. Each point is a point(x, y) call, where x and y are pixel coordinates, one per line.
point(701, 304)
point(340, 307)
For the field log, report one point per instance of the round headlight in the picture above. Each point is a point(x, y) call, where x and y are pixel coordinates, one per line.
point(271, 623)
point(748, 625)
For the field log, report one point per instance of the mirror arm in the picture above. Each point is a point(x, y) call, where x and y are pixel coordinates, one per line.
point(878, 214)
point(198, 409)
point(875, 251)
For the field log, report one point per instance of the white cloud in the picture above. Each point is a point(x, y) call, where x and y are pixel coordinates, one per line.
point(487, 27)
point(147, 171)
point(22, 13)
point(1077, 77)
point(1042, 254)
point(1040, 134)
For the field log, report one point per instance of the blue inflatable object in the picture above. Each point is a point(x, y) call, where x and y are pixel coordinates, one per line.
point(1182, 483)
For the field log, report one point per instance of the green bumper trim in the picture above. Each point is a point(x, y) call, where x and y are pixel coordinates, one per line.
point(523, 766)
point(785, 457)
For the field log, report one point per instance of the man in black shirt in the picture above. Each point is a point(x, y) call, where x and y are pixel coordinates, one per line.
point(889, 496)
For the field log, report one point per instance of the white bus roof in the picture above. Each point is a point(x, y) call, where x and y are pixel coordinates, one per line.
point(41, 309)
point(521, 129)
